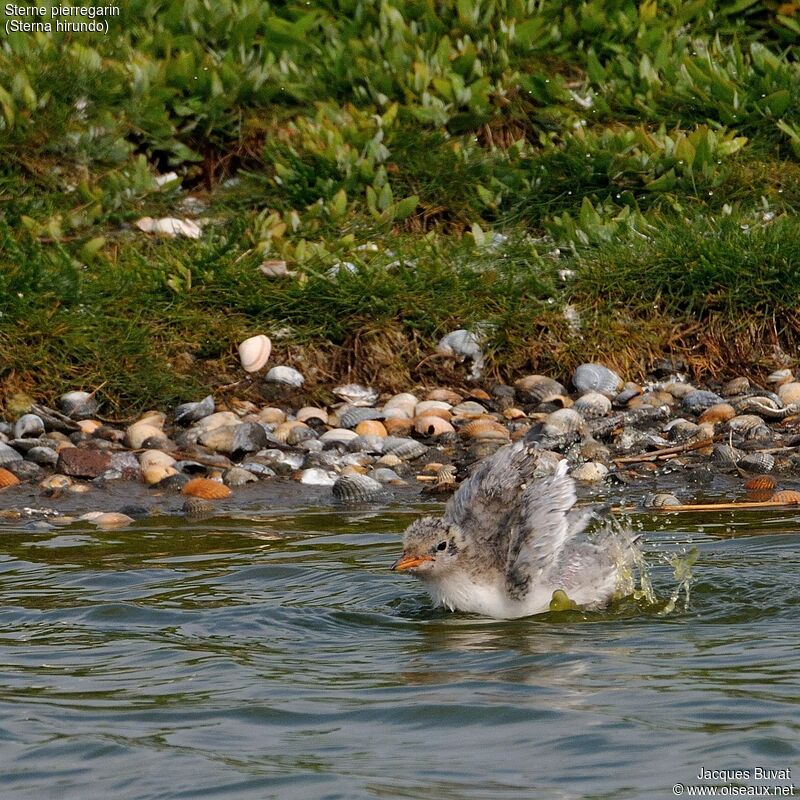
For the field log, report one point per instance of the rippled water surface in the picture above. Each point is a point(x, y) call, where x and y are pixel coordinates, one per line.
point(272, 654)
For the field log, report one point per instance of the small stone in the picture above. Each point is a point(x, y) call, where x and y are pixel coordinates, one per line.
point(80, 463)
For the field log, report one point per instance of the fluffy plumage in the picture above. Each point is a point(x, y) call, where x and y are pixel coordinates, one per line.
point(509, 538)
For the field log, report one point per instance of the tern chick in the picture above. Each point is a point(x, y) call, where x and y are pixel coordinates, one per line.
point(508, 540)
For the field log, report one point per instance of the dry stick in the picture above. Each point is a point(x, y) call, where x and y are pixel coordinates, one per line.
point(665, 452)
point(744, 506)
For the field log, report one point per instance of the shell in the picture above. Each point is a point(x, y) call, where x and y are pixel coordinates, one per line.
point(89, 426)
point(735, 386)
point(285, 375)
point(141, 431)
point(206, 489)
point(271, 416)
point(403, 400)
point(28, 425)
point(371, 427)
point(681, 429)
point(699, 400)
point(192, 412)
point(56, 482)
point(368, 443)
point(108, 519)
point(757, 462)
point(760, 483)
point(787, 496)
point(299, 434)
point(155, 458)
point(8, 455)
point(596, 378)
point(469, 409)
point(432, 426)
point(78, 405)
point(356, 489)
point(724, 455)
point(514, 413)
point(407, 449)
point(719, 412)
point(356, 395)
point(385, 475)
point(338, 435)
point(254, 352)
point(744, 423)
point(197, 507)
point(314, 476)
point(591, 471)
point(310, 412)
point(45, 456)
point(7, 478)
point(660, 500)
point(427, 406)
point(534, 388)
point(485, 428)
point(154, 473)
point(352, 416)
point(564, 422)
point(281, 433)
point(445, 395)
point(593, 404)
point(398, 427)
point(789, 392)
point(780, 376)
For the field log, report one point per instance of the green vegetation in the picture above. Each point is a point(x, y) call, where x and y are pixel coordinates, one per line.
point(419, 167)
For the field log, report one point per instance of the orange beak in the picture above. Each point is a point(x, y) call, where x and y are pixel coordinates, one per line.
point(409, 562)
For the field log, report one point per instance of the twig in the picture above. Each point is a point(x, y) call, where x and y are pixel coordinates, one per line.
point(743, 506)
point(665, 452)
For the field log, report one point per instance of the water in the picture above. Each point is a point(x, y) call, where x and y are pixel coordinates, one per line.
point(273, 655)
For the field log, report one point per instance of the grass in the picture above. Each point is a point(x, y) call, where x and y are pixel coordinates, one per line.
point(651, 150)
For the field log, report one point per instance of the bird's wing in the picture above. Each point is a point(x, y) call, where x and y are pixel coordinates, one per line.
point(484, 502)
point(545, 523)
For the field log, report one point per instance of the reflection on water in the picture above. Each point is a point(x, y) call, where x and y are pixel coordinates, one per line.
point(274, 655)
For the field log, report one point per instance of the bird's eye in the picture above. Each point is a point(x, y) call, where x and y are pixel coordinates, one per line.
point(441, 546)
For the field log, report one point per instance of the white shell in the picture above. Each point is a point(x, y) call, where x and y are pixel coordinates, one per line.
point(254, 352)
point(287, 375)
point(170, 227)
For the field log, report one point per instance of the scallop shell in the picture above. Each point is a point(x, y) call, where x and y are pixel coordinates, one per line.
point(254, 352)
point(285, 375)
point(356, 489)
point(719, 412)
point(789, 392)
point(485, 428)
point(371, 427)
point(760, 483)
point(206, 489)
point(757, 462)
point(407, 449)
point(787, 496)
point(356, 395)
point(593, 404)
point(7, 478)
point(564, 422)
point(192, 412)
point(432, 426)
point(352, 416)
point(596, 378)
point(445, 395)
point(534, 388)
point(78, 405)
point(310, 412)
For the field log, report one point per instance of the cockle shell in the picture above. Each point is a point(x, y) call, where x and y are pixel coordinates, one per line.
point(78, 405)
point(338, 435)
point(469, 409)
point(534, 388)
point(398, 427)
point(593, 404)
point(139, 432)
point(311, 412)
point(28, 425)
point(445, 395)
point(660, 500)
point(8, 455)
point(371, 427)
point(426, 406)
point(350, 417)
point(787, 496)
point(7, 478)
point(596, 378)
point(725, 456)
point(107, 519)
point(356, 395)
point(407, 449)
point(735, 386)
point(757, 462)
point(485, 428)
point(432, 426)
point(299, 434)
point(254, 352)
point(281, 433)
point(285, 375)
point(780, 377)
point(564, 422)
point(760, 483)
point(719, 412)
point(153, 458)
point(789, 392)
point(356, 489)
point(700, 400)
point(206, 489)
point(154, 473)
point(590, 471)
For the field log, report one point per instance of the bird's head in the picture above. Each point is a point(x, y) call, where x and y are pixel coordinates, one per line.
point(430, 548)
